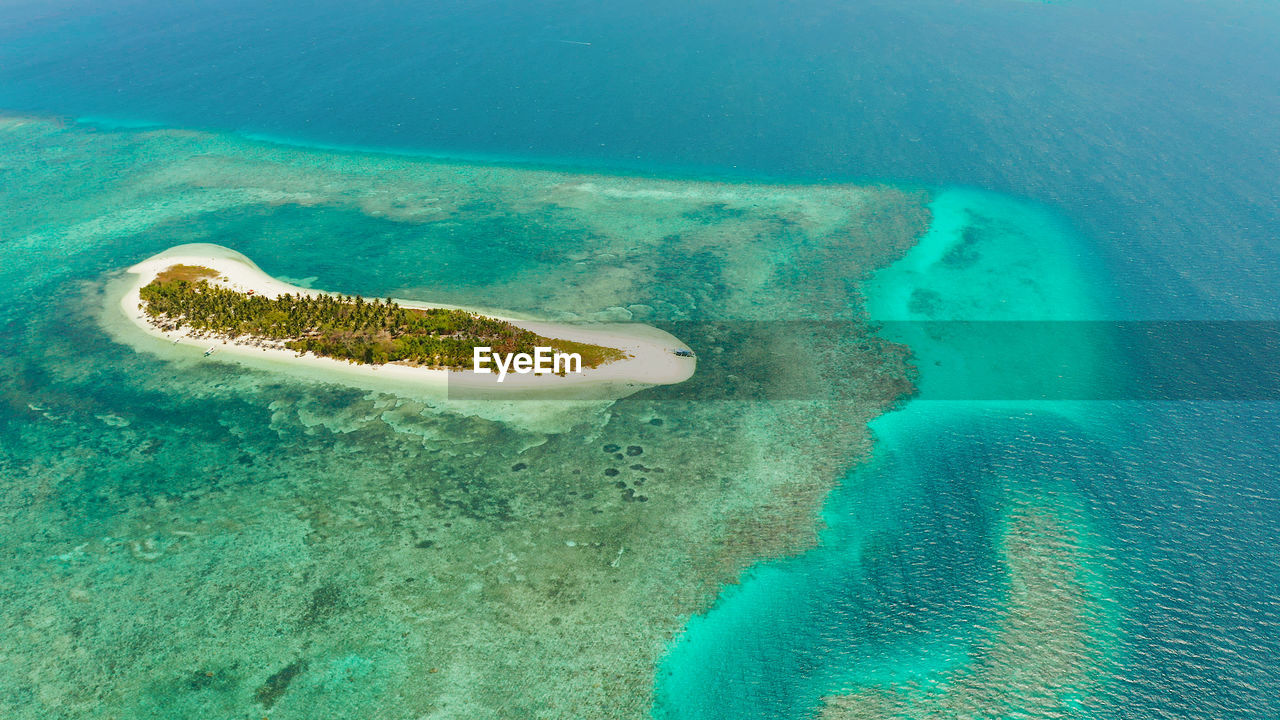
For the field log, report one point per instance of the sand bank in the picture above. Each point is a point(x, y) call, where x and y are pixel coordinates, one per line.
point(650, 352)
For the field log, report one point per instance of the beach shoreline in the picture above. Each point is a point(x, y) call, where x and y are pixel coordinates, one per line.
point(650, 354)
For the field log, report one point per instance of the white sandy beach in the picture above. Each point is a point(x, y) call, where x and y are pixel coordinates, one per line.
point(651, 359)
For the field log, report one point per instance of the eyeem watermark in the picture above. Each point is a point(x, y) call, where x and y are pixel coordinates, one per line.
point(543, 360)
point(1149, 360)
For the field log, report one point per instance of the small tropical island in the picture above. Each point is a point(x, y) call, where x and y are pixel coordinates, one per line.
point(342, 327)
point(211, 296)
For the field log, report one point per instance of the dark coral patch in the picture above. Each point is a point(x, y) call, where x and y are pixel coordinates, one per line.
point(276, 685)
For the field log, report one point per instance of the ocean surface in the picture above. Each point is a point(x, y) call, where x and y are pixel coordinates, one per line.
point(1033, 554)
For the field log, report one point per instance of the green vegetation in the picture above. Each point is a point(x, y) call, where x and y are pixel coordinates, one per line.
point(190, 273)
point(346, 328)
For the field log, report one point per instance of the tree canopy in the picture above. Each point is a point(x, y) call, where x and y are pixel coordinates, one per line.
point(345, 327)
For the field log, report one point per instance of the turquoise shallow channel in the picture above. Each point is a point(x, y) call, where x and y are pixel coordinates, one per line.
point(961, 572)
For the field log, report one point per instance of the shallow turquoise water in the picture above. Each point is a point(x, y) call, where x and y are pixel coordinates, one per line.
point(907, 582)
point(192, 538)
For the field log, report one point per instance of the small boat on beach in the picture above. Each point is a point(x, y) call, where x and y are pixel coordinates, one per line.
point(209, 352)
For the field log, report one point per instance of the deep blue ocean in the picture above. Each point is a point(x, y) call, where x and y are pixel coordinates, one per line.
point(1150, 128)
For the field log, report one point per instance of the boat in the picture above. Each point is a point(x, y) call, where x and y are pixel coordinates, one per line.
point(684, 353)
point(209, 352)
